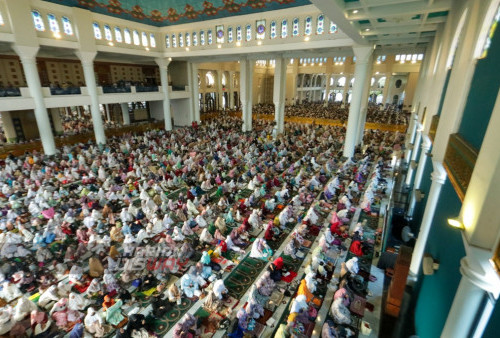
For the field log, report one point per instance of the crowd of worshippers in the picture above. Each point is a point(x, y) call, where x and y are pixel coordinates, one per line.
point(71, 223)
point(336, 111)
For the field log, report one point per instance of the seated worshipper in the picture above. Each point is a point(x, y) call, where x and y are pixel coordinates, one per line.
point(212, 303)
point(260, 249)
point(77, 302)
point(232, 245)
point(148, 282)
point(10, 291)
point(330, 330)
point(6, 320)
point(174, 295)
point(47, 298)
point(343, 293)
point(352, 265)
point(286, 216)
point(186, 251)
point(177, 235)
point(219, 289)
point(206, 237)
point(107, 302)
point(136, 327)
point(254, 219)
point(204, 273)
point(190, 283)
point(95, 267)
point(243, 321)
point(160, 306)
point(299, 310)
point(276, 268)
point(113, 313)
point(23, 308)
point(292, 248)
point(271, 232)
point(110, 281)
point(94, 324)
point(40, 323)
point(220, 224)
point(186, 327)
point(340, 313)
point(269, 206)
point(186, 229)
point(304, 290)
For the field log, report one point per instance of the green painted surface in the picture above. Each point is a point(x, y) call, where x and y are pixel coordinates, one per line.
point(445, 245)
point(445, 88)
point(482, 95)
point(436, 14)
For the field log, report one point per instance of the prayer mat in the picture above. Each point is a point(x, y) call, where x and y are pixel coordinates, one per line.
point(230, 302)
point(258, 329)
point(290, 277)
point(209, 325)
point(263, 319)
point(243, 276)
point(162, 326)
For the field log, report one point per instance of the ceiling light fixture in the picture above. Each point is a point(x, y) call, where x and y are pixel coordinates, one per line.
point(111, 44)
point(456, 223)
point(57, 35)
point(367, 29)
point(147, 49)
point(238, 43)
point(306, 38)
point(259, 43)
point(187, 49)
point(219, 46)
point(355, 11)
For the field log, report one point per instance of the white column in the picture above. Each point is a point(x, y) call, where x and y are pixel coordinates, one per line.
point(87, 59)
point(327, 89)
point(438, 178)
point(410, 136)
point(163, 65)
point(390, 88)
point(360, 74)
point(468, 304)
point(108, 113)
point(386, 88)
point(230, 92)
point(364, 103)
point(246, 79)
point(196, 92)
point(414, 154)
point(279, 95)
point(27, 54)
point(125, 114)
point(426, 146)
point(220, 92)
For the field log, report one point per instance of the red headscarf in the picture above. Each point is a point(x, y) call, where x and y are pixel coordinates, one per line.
point(278, 262)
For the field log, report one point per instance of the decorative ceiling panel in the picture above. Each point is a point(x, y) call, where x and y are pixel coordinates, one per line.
point(174, 12)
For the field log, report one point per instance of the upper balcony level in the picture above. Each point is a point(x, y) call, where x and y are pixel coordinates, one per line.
point(20, 98)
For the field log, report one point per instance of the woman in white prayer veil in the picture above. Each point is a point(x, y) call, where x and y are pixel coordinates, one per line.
point(167, 221)
point(206, 237)
point(50, 295)
point(352, 265)
point(340, 313)
point(6, 320)
point(299, 304)
point(77, 302)
point(94, 323)
point(219, 289)
point(201, 221)
point(310, 282)
point(75, 274)
point(125, 216)
point(23, 308)
point(186, 229)
point(177, 235)
point(192, 208)
point(10, 292)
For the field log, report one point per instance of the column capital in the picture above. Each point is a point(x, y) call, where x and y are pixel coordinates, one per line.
point(472, 269)
point(26, 53)
point(163, 62)
point(86, 57)
point(426, 143)
point(439, 173)
point(362, 53)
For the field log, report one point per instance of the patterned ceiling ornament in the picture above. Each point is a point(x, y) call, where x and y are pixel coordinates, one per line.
point(137, 12)
point(167, 13)
point(156, 16)
point(115, 7)
point(88, 3)
point(172, 15)
point(256, 3)
point(209, 9)
point(189, 12)
point(230, 6)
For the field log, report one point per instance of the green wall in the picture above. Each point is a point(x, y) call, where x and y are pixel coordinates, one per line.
point(445, 88)
point(425, 186)
point(445, 244)
point(482, 95)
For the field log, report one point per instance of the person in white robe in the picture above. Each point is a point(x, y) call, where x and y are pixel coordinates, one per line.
point(219, 289)
point(190, 283)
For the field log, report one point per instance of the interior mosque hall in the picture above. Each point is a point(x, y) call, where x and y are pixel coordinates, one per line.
point(249, 168)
